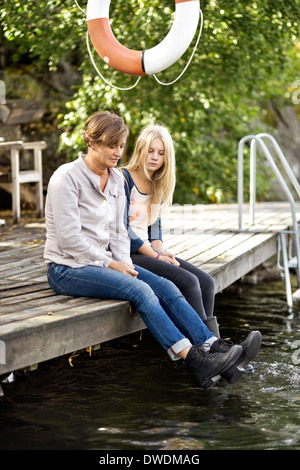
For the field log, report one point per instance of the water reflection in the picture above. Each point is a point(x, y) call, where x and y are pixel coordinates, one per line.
point(128, 395)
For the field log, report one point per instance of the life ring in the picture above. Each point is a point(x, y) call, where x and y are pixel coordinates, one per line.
point(150, 61)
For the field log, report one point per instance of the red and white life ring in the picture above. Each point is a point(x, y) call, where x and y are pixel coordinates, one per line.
point(150, 61)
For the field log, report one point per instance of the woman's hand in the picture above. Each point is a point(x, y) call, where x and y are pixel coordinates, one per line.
point(122, 267)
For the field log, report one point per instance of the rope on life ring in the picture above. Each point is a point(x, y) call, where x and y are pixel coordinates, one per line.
point(150, 61)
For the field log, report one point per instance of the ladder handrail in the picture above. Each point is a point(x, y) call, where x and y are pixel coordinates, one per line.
point(258, 139)
point(242, 142)
point(284, 161)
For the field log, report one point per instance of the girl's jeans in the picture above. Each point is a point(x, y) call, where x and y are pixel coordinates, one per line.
point(164, 310)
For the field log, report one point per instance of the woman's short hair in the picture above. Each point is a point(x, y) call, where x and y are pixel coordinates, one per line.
point(104, 127)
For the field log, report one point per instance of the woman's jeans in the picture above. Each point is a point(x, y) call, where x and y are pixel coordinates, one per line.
point(195, 285)
point(164, 310)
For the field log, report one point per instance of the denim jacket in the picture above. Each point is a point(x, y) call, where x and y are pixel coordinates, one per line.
point(84, 225)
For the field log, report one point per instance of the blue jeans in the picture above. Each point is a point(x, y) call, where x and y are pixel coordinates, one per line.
point(164, 310)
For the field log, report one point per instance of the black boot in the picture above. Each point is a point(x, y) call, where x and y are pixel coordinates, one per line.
point(208, 366)
point(213, 326)
point(250, 347)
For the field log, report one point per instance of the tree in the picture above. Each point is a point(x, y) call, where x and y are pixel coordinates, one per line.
point(247, 54)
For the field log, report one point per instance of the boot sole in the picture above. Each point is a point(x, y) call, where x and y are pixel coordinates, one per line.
point(233, 357)
point(236, 371)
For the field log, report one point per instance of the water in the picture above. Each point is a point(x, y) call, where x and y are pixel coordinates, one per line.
point(129, 396)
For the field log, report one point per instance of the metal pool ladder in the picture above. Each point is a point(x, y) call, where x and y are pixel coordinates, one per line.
point(288, 253)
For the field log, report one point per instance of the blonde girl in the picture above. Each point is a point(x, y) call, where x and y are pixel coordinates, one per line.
point(149, 186)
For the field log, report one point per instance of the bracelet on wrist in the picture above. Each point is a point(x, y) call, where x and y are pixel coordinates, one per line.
point(158, 256)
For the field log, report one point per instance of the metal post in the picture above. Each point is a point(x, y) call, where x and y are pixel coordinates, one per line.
point(283, 249)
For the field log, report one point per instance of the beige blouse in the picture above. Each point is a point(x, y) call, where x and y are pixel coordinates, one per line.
point(85, 226)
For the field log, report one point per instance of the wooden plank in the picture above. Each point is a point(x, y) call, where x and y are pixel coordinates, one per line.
point(220, 243)
point(16, 291)
point(32, 255)
point(42, 338)
point(17, 144)
point(220, 229)
point(45, 306)
point(22, 297)
point(240, 260)
point(25, 270)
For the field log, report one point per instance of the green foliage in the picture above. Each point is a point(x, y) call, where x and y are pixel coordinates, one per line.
point(247, 56)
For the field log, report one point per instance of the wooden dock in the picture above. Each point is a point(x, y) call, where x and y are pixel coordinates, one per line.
point(37, 325)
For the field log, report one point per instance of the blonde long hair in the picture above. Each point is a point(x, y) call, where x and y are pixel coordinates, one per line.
point(163, 180)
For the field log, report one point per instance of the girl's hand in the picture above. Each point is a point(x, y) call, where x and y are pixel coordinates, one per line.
point(169, 258)
point(122, 267)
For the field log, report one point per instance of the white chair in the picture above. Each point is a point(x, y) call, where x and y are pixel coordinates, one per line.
point(29, 176)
